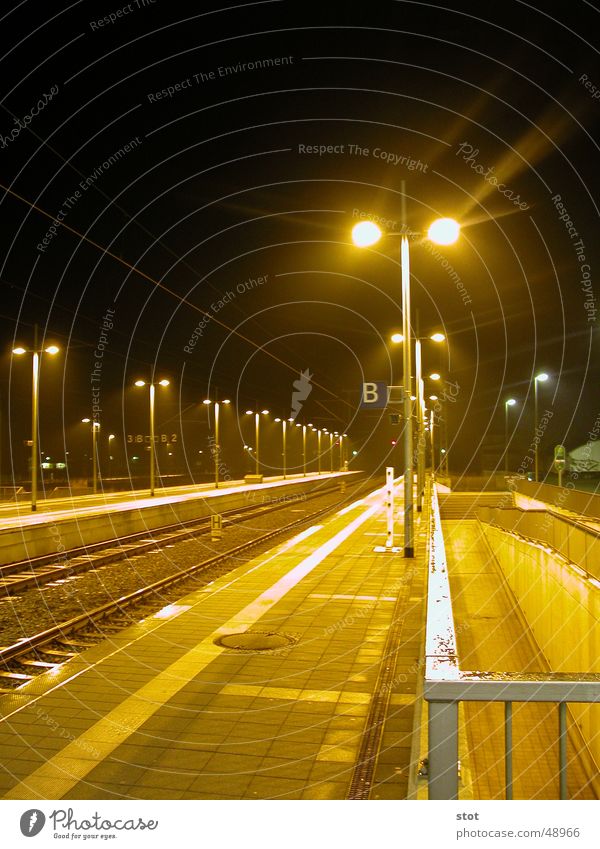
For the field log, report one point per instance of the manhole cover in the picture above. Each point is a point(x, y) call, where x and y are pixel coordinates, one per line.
point(255, 641)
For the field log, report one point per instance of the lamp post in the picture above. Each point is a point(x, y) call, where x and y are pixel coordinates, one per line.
point(152, 387)
point(35, 398)
point(510, 402)
point(217, 445)
point(318, 429)
point(444, 231)
point(284, 443)
point(257, 416)
point(95, 430)
point(398, 338)
point(539, 378)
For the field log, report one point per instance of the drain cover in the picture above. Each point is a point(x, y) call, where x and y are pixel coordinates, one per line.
point(255, 641)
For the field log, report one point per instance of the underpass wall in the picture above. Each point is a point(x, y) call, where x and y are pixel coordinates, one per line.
point(562, 606)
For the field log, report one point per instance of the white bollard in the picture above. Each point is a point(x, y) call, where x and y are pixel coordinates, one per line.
point(389, 504)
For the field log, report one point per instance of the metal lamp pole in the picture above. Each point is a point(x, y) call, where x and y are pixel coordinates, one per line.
point(35, 398)
point(408, 430)
point(541, 378)
point(419, 411)
point(284, 440)
point(256, 437)
point(95, 428)
point(304, 450)
point(510, 402)
point(152, 387)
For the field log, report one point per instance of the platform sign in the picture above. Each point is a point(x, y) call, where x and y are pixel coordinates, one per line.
point(560, 461)
point(560, 458)
point(216, 527)
point(374, 395)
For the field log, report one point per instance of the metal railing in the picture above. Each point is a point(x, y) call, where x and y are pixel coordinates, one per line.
point(446, 685)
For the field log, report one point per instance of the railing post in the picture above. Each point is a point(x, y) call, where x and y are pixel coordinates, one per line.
point(443, 750)
point(562, 749)
point(508, 748)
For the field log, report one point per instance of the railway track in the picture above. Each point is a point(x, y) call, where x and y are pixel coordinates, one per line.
point(37, 571)
point(31, 656)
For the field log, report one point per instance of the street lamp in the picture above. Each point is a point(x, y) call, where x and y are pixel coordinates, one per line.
point(95, 430)
point(152, 387)
point(510, 402)
point(539, 378)
point(318, 431)
point(217, 445)
point(284, 423)
point(330, 451)
point(257, 416)
point(444, 231)
point(35, 398)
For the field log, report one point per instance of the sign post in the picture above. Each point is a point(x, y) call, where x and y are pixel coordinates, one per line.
point(560, 461)
point(216, 527)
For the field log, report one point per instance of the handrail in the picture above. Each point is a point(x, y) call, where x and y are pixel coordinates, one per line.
point(446, 685)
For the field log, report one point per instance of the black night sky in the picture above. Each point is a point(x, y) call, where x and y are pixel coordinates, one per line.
point(198, 172)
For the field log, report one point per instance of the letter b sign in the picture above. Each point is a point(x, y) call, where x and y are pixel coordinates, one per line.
point(374, 395)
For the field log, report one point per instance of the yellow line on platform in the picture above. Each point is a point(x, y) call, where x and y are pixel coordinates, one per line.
point(65, 770)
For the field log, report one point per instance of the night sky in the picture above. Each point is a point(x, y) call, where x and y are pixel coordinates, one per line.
point(194, 177)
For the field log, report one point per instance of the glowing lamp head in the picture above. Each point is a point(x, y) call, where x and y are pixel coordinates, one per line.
point(163, 382)
point(226, 401)
point(52, 349)
point(511, 402)
point(437, 337)
point(18, 351)
point(86, 421)
point(249, 412)
point(277, 419)
point(543, 377)
point(264, 412)
point(207, 401)
point(140, 383)
point(444, 231)
point(434, 375)
point(433, 397)
point(397, 338)
point(365, 234)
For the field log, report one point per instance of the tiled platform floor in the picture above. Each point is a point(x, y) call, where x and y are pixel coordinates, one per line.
point(163, 711)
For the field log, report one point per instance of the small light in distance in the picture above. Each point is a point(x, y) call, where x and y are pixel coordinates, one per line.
point(433, 397)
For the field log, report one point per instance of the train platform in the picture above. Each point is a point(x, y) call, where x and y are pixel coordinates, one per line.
point(19, 514)
point(291, 677)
